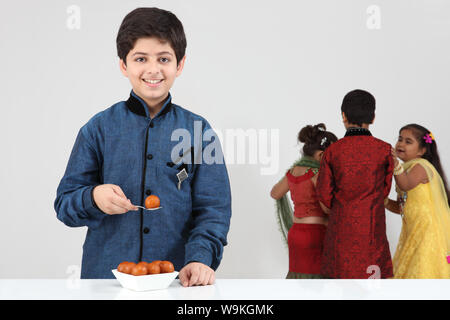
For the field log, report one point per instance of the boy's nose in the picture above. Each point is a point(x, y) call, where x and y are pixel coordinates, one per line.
point(152, 68)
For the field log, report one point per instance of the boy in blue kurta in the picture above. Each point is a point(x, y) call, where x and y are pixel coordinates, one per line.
point(132, 150)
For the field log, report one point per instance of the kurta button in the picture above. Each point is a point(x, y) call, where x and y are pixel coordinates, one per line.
point(146, 230)
point(149, 157)
point(148, 192)
point(151, 125)
point(170, 164)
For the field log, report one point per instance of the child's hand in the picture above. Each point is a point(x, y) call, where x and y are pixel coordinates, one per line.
point(394, 156)
point(111, 199)
point(196, 273)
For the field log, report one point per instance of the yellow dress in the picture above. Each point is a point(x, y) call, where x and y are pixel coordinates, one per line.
point(425, 237)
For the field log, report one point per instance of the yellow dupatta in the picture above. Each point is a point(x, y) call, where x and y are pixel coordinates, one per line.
point(439, 201)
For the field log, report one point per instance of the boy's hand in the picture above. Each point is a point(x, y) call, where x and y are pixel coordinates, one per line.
point(111, 199)
point(196, 274)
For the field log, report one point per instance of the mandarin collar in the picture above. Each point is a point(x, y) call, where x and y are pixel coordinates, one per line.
point(138, 106)
point(357, 131)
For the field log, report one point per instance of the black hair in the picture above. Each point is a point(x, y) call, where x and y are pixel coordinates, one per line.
point(315, 138)
point(150, 22)
point(359, 107)
point(431, 153)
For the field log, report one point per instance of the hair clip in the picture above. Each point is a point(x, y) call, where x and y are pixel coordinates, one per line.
point(428, 138)
point(324, 140)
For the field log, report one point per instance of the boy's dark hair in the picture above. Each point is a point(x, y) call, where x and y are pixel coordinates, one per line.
point(315, 138)
point(151, 22)
point(431, 153)
point(359, 107)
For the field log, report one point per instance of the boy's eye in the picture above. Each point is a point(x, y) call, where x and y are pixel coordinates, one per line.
point(164, 60)
point(140, 59)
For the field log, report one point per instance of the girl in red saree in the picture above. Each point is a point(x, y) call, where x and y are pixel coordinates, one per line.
point(306, 226)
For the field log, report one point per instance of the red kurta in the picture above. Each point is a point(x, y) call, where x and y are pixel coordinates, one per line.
point(355, 177)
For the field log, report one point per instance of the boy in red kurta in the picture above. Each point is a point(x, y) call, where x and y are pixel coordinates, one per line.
point(355, 177)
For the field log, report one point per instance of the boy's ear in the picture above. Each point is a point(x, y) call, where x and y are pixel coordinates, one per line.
point(180, 66)
point(373, 120)
point(344, 117)
point(320, 154)
point(123, 67)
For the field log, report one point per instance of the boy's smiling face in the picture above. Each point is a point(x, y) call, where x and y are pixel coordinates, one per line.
point(151, 66)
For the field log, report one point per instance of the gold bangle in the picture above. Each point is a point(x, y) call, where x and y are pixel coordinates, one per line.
point(386, 201)
point(398, 171)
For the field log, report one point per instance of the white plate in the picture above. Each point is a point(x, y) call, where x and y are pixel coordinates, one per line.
point(147, 282)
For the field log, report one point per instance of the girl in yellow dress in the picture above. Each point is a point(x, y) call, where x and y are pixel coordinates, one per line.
point(424, 245)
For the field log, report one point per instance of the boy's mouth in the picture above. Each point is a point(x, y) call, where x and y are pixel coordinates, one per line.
point(153, 82)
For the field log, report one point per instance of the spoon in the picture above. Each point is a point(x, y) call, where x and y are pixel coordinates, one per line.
point(151, 209)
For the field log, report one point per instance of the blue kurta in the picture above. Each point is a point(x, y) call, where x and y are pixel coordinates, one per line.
point(122, 145)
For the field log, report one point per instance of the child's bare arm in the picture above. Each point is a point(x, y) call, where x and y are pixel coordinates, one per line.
point(393, 206)
point(408, 181)
point(280, 189)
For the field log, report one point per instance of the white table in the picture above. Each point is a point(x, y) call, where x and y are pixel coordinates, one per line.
point(228, 289)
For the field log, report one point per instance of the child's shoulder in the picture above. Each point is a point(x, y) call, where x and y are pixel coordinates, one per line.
point(104, 119)
point(381, 142)
point(372, 140)
point(112, 117)
point(346, 145)
point(116, 110)
point(190, 117)
point(120, 109)
point(187, 113)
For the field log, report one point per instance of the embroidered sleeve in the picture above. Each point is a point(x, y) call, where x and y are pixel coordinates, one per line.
point(325, 181)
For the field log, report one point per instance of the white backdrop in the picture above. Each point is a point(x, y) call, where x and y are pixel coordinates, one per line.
point(257, 66)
